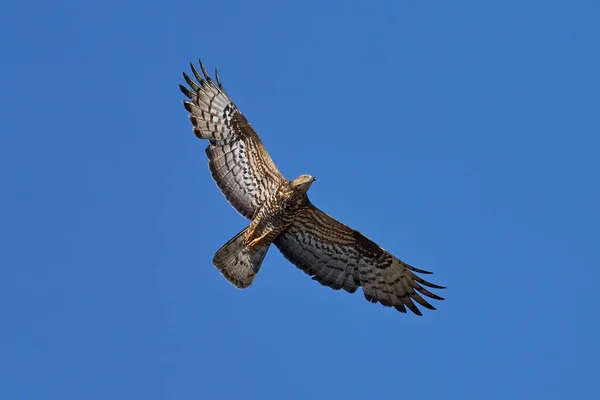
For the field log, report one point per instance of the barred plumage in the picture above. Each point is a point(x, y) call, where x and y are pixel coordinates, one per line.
point(238, 161)
point(330, 252)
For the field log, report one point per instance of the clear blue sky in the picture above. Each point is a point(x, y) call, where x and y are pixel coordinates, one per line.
point(462, 136)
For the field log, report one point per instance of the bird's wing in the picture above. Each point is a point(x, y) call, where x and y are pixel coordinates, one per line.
point(342, 258)
point(238, 161)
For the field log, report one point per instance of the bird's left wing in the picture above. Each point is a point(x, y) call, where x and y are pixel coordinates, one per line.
point(238, 161)
point(342, 258)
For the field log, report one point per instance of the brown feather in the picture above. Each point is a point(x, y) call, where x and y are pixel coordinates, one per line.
point(331, 253)
point(249, 174)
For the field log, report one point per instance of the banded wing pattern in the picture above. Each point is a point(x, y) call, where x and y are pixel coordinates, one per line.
point(238, 161)
point(332, 253)
point(342, 258)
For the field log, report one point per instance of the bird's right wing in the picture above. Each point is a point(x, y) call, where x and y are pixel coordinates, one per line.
point(238, 161)
point(340, 257)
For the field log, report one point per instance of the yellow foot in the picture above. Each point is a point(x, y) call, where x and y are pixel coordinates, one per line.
point(248, 236)
point(255, 242)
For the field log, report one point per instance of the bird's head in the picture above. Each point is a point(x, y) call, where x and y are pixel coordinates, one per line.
point(303, 182)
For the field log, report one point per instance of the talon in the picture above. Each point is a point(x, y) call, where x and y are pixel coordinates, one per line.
point(247, 238)
point(255, 242)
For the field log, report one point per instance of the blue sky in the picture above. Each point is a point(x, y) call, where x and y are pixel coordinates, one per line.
point(462, 136)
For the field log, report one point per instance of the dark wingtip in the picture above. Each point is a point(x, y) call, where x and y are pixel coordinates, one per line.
point(408, 302)
point(420, 271)
point(206, 75)
point(434, 286)
point(415, 310)
point(187, 92)
point(427, 305)
point(429, 294)
point(196, 73)
point(218, 80)
point(423, 282)
point(401, 308)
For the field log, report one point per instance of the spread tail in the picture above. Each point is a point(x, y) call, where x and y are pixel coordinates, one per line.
point(237, 262)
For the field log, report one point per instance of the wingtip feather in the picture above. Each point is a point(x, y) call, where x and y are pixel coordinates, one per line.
point(188, 105)
point(187, 92)
point(219, 80)
point(196, 73)
point(206, 75)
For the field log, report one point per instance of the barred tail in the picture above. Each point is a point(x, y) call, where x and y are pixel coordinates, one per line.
point(238, 263)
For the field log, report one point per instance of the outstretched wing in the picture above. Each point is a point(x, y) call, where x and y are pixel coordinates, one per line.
point(238, 161)
point(342, 258)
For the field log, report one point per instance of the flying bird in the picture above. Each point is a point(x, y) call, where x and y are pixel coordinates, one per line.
point(332, 253)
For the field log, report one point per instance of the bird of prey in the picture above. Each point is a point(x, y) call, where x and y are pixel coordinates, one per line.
point(332, 253)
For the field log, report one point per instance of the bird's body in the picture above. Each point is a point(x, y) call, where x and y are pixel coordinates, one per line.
point(278, 212)
point(281, 213)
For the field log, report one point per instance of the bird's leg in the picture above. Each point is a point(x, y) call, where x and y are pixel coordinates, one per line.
point(253, 242)
point(250, 233)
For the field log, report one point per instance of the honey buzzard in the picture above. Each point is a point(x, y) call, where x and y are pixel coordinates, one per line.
point(281, 213)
